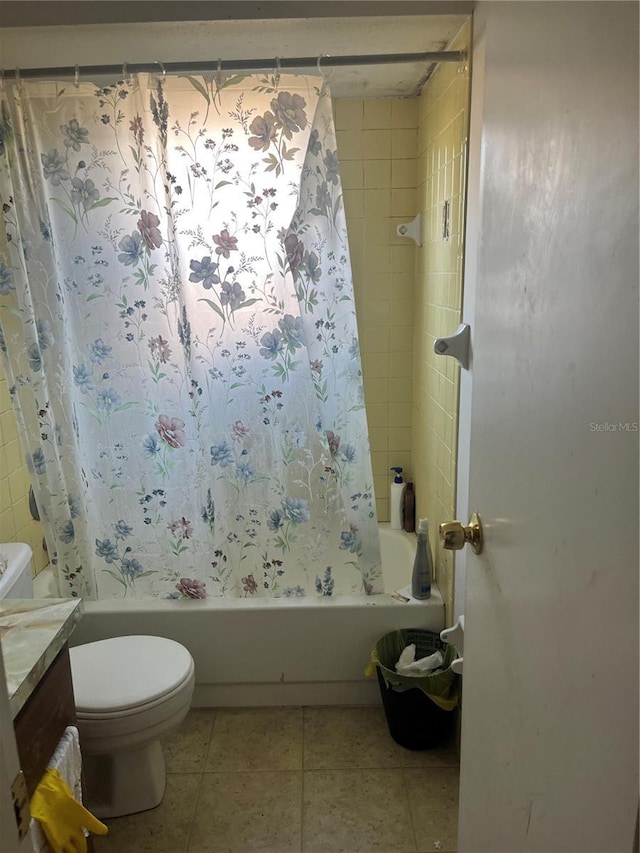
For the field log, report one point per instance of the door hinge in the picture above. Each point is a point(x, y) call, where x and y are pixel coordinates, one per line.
point(21, 804)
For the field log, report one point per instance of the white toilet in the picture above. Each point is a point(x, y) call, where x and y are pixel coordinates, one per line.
point(129, 692)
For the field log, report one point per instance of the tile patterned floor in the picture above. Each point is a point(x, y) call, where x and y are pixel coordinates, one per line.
point(295, 780)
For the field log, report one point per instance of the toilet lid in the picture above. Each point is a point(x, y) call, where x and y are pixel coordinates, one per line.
point(125, 672)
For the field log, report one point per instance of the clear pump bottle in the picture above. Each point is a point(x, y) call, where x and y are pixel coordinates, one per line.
point(422, 564)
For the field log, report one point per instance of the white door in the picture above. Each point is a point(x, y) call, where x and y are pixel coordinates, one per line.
point(550, 705)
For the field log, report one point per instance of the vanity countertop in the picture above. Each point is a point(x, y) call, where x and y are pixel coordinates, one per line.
point(32, 632)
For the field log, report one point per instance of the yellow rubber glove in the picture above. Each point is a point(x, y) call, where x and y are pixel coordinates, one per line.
point(61, 816)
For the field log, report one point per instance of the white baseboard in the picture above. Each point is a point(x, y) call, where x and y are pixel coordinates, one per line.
point(300, 693)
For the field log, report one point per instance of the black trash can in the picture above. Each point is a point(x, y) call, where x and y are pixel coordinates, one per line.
point(418, 709)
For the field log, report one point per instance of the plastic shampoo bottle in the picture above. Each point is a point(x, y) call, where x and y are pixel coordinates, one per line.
point(395, 500)
point(423, 564)
point(409, 508)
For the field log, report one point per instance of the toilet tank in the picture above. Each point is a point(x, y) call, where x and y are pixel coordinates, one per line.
point(16, 580)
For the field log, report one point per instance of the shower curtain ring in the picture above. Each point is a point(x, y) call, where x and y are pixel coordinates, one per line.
point(126, 75)
point(219, 73)
point(162, 68)
point(325, 76)
point(320, 70)
point(18, 77)
point(278, 70)
point(76, 76)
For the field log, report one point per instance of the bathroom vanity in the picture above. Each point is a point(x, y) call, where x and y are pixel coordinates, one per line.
point(34, 635)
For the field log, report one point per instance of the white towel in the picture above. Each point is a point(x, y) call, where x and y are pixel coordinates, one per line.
point(67, 760)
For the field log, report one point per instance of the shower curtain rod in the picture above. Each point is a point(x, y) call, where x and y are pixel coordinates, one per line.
point(319, 62)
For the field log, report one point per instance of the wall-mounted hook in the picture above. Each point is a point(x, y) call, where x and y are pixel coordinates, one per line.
point(456, 345)
point(446, 219)
point(412, 230)
point(455, 637)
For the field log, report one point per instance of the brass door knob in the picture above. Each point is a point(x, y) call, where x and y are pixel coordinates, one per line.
point(454, 535)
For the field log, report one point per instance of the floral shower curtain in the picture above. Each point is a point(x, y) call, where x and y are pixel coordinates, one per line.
point(178, 326)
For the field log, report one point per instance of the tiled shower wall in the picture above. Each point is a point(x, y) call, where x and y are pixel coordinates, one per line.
point(399, 157)
point(377, 143)
point(16, 524)
point(443, 116)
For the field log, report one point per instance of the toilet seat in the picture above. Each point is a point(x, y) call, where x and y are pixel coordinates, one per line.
point(127, 675)
point(125, 713)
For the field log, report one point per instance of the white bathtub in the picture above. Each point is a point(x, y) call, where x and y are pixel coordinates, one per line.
point(274, 651)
